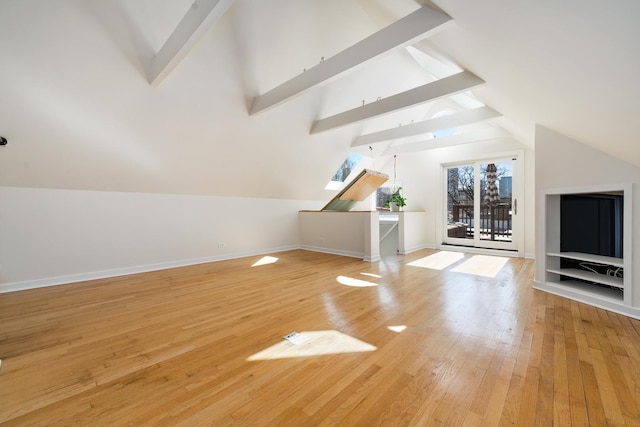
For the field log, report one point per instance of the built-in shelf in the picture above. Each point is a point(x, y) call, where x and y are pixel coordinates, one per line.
point(599, 259)
point(579, 283)
point(610, 263)
point(602, 281)
point(589, 276)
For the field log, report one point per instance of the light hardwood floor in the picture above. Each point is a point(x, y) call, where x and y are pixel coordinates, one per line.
point(391, 344)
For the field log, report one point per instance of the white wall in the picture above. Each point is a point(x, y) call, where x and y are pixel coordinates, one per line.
point(412, 231)
point(51, 236)
point(353, 233)
point(421, 176)
point(57, 236)
point(562, 162)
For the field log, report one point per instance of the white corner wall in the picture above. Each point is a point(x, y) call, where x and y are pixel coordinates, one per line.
point(50, 236)
point(413, 231)
point(565, 163)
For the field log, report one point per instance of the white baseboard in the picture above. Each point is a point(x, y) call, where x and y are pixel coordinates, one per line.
point(480, 251)
point(417, 248)
point(333, 251)
point(83, 277)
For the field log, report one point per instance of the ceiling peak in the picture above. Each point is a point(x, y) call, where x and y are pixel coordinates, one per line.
point(200, 17)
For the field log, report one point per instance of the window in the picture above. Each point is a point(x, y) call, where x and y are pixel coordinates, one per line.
point(440, 133)
point(347, 166)
point(343, 172)
point(384, 193)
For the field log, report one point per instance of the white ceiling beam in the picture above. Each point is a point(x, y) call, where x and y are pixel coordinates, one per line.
point(200, 17)
point(429, 92)
point(454, 120)
point(447, 141)
point(403, 32)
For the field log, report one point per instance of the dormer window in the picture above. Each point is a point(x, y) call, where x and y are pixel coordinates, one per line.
point(345, 169)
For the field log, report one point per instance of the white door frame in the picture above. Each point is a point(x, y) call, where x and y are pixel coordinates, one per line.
point(517, 156)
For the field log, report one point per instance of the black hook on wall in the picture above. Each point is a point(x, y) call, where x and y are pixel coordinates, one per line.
point(3, 140)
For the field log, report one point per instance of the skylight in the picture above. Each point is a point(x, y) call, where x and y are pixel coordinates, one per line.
point(443, 132)
point(345, 169)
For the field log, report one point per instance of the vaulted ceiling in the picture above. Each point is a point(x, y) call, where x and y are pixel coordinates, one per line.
point(266, 98)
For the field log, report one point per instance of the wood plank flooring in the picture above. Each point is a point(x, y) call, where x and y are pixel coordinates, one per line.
point(390, 344)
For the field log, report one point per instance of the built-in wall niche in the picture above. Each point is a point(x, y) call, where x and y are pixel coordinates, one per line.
point(587, 257)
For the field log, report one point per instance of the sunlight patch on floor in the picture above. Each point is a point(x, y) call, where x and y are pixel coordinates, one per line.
point(319, 343)
point(377, 276)
point(482, 265)
point(350, 281)
point(264, 261)
point(397, 328)
point(438, 261)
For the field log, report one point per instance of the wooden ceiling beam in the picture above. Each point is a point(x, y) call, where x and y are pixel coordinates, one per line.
point(454, 120)
point(403, 32)
point(200, 17)
point(447, 86)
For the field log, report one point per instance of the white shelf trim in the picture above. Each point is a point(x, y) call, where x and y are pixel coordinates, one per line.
point(599, 259)
point(587, 275)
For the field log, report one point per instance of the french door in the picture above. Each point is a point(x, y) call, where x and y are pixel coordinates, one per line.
point(481, 204)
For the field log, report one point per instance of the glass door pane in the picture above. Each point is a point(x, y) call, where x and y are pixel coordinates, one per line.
point(496, 197)
point(480, 204)
point(460, 201)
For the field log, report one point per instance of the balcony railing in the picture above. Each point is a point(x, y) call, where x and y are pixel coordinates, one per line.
point(495, 222)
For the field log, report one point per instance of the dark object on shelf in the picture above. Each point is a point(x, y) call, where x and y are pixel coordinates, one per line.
point(592, 224)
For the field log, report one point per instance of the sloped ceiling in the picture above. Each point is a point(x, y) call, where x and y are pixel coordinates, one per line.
point(79, 112)
point(569, 65)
